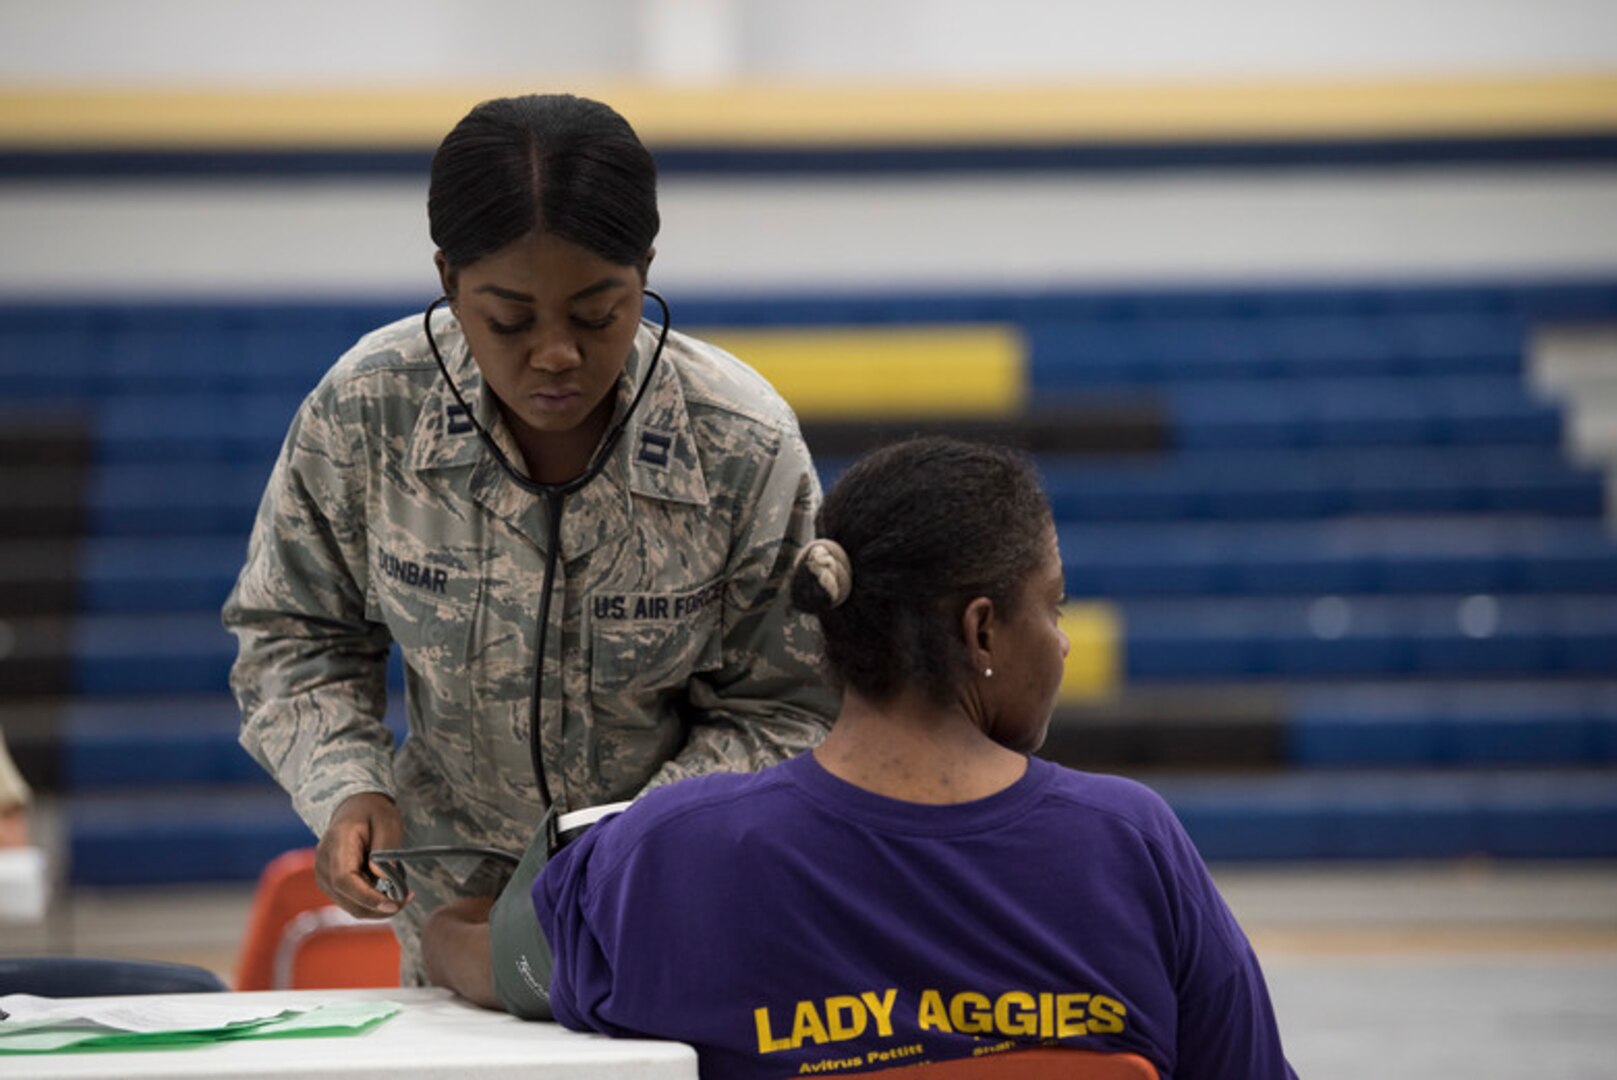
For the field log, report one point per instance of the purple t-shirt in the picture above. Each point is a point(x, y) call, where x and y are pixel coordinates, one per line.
point(787, 922)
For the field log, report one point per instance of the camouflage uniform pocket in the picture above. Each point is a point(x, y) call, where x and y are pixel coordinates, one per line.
point(639, 659)
point(433, 621)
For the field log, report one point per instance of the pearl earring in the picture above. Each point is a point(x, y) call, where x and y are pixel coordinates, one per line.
point(988, 673)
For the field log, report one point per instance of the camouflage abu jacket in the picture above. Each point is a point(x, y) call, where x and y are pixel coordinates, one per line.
point(671, 648)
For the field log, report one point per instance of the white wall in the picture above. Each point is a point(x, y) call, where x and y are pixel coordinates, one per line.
point(831, 235)
point(1157, 40)
point(369, 236)
point(543, 42)
point(215, 43)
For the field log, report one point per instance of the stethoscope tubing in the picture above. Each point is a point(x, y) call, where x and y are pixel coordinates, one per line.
point(555, 496)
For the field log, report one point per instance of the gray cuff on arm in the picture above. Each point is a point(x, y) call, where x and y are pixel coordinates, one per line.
point(517, 947)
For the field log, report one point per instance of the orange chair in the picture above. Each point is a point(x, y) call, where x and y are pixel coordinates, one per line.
point(297, 939)
point(1039, 1063)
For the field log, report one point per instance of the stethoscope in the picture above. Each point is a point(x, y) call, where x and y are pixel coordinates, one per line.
point(555, 496)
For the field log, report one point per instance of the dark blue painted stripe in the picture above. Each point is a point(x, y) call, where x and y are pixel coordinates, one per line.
point(212, 164)
point(345, 319)
point(1130, 157)
point(823, 160)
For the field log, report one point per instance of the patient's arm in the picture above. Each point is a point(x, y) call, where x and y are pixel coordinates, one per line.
point(491, 951)
point(455, 946)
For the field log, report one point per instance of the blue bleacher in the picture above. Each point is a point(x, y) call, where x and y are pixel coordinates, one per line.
point(208, 488)
point(162, 573)
point(121, 839)
point(1164, 640)
point(136, 571)
point(162, 838)
point(1383, 411)
point(151, 653)
point(1432, 725)
point(161, 740)
point(1491, 554)
point(1513, 814)
point(1370, 636)
point(179, 499)
point(102, 352)
point(227, 426)
point(1364, 511)
point(1310, 483)
point(1094, 354)
point(156, 740)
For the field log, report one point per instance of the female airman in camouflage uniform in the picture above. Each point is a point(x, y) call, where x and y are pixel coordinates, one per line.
point(670, 649)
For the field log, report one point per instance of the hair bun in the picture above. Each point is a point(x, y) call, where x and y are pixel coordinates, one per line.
point(829, 564)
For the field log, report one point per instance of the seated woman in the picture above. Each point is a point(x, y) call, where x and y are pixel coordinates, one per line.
point(917, 888)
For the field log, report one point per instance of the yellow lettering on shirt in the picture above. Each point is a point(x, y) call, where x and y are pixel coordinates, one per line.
point(1013, 1014)
point(975, 1022)
point(931, 1013)
point(1106, 1015)
point(1070, 1010)
point(845, 1017)
point(881, 1008)
point(807, 1027)
point(1016, 1015)
point(896, 1053)
point(830, 1065)
point(767, 1043)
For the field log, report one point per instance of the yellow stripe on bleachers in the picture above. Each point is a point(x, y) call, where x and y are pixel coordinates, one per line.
point(1095, 660)
point(897, 372)
point(771, 115)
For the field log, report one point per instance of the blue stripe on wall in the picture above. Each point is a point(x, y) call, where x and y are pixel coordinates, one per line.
point(797, 160)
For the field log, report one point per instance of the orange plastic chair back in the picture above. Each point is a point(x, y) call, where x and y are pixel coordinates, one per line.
point(1033, 1064)
point(297, 939)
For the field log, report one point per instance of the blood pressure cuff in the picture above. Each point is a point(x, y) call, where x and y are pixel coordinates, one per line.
point(517, 947)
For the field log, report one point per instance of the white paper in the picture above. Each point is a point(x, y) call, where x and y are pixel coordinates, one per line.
point(177, 1012)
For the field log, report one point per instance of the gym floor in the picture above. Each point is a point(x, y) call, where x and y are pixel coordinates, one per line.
point(1481, 970)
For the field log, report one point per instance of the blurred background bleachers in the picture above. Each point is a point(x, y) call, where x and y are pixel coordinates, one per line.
point(1335, 552)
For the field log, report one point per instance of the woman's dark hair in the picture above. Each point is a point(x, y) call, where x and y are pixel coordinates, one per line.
point(552, 163)
point(928, 526)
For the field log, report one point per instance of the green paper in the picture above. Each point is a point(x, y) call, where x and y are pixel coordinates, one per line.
point(354, 1018)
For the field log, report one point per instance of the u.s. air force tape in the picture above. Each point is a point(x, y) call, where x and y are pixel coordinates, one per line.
point(521, 956)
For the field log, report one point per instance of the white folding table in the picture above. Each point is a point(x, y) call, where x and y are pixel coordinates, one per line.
point(435, 1036)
